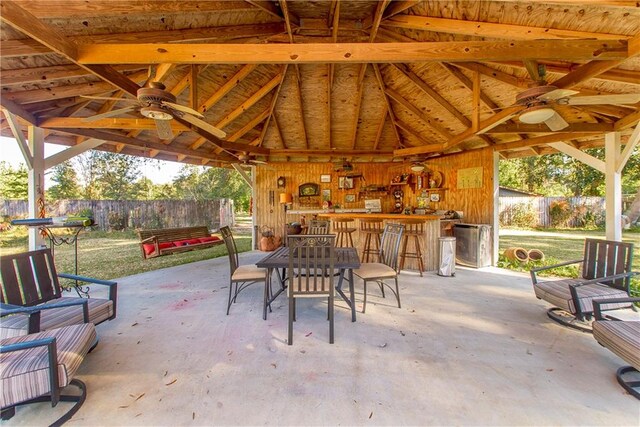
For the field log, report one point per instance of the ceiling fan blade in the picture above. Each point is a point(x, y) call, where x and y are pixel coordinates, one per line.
point(556, 122)
point(164, 129)
point(111, 113)
point(628, 98)
point(183, 109)
point(557, 94)
point(259, 162)
point(204, 126)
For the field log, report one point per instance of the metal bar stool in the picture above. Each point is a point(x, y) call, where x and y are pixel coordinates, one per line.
point(371, 229)
point(413, 230)
point(344, 230)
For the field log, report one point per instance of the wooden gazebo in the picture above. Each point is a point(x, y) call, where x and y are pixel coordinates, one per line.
point(309, 86)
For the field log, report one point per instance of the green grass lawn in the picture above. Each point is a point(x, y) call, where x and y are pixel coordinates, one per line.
point(558, 246)
point(109, 255)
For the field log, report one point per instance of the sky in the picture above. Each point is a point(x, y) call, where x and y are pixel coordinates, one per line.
point(160, 172)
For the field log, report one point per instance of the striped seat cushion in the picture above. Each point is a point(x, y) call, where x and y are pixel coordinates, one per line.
point(24, 374)
point(558, 293)
point(621, 337)
point(99, 311)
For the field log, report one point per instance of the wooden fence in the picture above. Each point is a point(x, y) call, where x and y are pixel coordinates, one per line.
point(132, 214)
point(536, 210)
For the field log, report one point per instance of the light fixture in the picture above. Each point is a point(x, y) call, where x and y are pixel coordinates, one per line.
point(537, 115)
point(286, 199)
point(417, 167)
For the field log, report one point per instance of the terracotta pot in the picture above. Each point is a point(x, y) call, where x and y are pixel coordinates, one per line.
point(516, 254)
point(536, 255)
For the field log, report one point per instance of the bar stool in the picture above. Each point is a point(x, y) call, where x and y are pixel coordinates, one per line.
point(371, 229)
point(413, 230)
point(343, 229)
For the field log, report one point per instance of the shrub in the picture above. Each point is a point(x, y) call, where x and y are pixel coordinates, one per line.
point(559, 213)
point(116, 221)
point(519, 215)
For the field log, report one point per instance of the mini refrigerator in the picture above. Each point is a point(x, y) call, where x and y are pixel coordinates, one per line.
point(473, 244)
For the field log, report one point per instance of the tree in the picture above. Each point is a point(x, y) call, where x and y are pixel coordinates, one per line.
point(197, 183)
point(13, 182)
point(109, 176)
point(66, 179)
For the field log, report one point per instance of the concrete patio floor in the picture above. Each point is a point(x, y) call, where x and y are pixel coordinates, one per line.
point(474, 349)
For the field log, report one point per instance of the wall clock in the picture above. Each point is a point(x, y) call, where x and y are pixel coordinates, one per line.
point(281, 182)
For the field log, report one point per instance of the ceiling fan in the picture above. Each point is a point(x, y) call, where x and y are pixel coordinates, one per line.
point(155, 102)
point(539, 101)
point(247, 159)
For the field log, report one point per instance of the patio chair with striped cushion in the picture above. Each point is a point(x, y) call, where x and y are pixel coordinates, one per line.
point(29, 279)
point(37, 367)
point(623, 339)
point(605, 274)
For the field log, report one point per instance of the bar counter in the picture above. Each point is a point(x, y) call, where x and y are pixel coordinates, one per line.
point(429, 241)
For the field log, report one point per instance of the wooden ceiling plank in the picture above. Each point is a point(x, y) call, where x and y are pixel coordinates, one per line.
point(48, 74)
point(410, 130)
point(211, 53)
point(15, 16)
point(330, 153)
point(272, 10)
point(227, 87)
point(279, 132)
point(381, 123)
point(193, 86)
point(263, 91)
point(469, 84)
point(493, 30)
point(383, 89)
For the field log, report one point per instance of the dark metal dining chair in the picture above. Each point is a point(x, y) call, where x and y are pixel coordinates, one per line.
point(311, 273)
point(318, 226)
point(240, 276)
point(387, 268)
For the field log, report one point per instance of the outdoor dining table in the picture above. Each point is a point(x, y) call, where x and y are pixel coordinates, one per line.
point(346, 260)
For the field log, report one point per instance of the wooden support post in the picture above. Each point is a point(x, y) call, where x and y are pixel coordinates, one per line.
point(36, 183)
point(613, 187)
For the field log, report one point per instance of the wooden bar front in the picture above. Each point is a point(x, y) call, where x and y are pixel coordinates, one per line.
point(429, 241)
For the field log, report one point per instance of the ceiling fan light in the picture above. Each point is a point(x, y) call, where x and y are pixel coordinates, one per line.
point(537, 115)
point(417, 167)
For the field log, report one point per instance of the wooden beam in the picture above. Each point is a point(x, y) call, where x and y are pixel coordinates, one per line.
point(47, 74)
point(579, 155)
point(541, 140)
point(249, 102)
point(19, 137)
point(29, 47)
point(469, 84)
point(287, 19)
point(271, 9)
point(147, 145)
point(416, 111)
point(632, 142)
point(356, 116)
point(250, 125)
point(301, 108)
point(411, 131)
point(377, 18)
point(399, 6)
point(392, 117)
point(475, 102)
point(274, 101)
point(330, 153)
point(18, 110)
point(493, 30)
point(494, 74)
point(627, 121)
point(227, 87)
point(543, 128)
point(106, 123)
point(209, 53)
point(63, 156)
